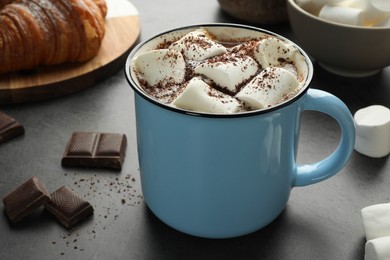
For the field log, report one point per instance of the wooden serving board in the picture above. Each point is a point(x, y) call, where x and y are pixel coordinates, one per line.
point(47, 82)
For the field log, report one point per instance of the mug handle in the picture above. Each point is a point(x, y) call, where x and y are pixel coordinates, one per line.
point(324, 102)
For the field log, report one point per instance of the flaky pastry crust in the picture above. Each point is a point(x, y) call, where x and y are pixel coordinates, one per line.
point(48, 32)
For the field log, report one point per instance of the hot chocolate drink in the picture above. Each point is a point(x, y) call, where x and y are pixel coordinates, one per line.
point(208, 71)
point(217, 111)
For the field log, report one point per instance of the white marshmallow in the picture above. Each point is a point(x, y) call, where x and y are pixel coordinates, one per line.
point(382, 5)
point(320, 2)
point(161, 66)
point(273, 52)
point(199, 96)
point(378, 249)
point(341, 14)
point(229, 74)
point(376, 12)
point(359, 4)
point(301, 68)
point(373, 131)
point(376, 220)
point(385, 23)
point(351, 12)
point(197, 45)
point(268, 88)
point(314, 6)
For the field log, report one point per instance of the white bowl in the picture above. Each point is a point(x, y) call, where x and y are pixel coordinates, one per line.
point(352, 51)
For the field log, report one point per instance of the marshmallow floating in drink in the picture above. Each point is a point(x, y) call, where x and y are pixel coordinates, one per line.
point(373, 131)
point(273, 52)
point(161, 67)
point(268, 88)
point(199, 96)
point(228, 72)
point(378, 249)
point(197, 45)
point(350, 12)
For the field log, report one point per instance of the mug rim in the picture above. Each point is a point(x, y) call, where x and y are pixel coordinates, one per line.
point(137, 89)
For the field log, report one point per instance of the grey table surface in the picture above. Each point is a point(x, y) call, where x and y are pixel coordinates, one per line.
point(321, 221)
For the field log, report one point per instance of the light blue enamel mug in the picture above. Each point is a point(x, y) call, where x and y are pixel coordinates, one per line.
point(221, 176)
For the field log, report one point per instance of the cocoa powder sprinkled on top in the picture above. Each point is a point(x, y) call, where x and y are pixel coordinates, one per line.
point(237, 51)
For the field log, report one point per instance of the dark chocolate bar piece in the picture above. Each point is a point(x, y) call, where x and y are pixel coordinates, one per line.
point(9, 127)
point(91, 149)
point(23, 200)
point(68, 207)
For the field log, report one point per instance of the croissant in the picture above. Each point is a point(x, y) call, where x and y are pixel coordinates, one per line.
point(48, 32)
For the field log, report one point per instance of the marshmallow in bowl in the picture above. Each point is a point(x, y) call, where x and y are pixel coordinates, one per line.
point(199, 96)
point(366, 13)
point(376, 12)
point(268, 88)
point(376, 220)
point(383, 5)
point(373, 131)
point(229, 72)
point(161, 67)
point(314, 6)
point(385, 23)
point(198, 45)
point(377, 249)
point(342, 14)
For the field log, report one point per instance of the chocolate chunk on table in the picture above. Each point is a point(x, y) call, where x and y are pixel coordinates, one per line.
point(91, 149)
point(68, 207)
point(9, 127)
point(26, 198)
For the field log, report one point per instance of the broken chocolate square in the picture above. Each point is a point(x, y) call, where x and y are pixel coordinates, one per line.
point(91, 149)
point(9, 128)
point(68, 207)
point(23, 200)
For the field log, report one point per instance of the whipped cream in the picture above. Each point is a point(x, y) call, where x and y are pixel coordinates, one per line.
point(200, 72)
point(366, 13)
